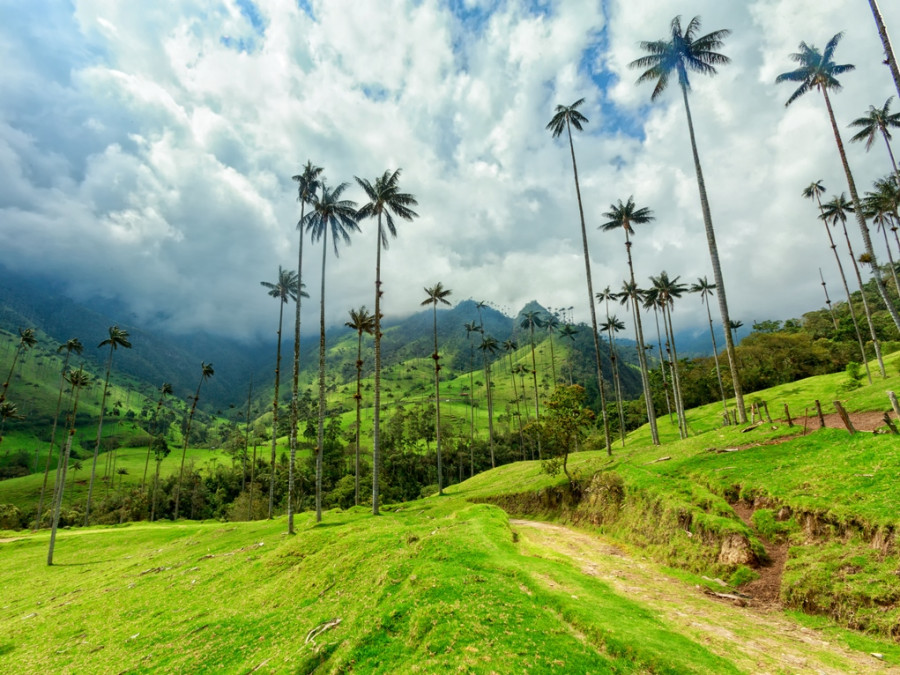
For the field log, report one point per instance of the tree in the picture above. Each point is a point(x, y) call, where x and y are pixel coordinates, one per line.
point(489, 347)
point(565, 423)
point(286, 287)
point(569, 332)
point(71, 345)
point(164, 390)
point(308, 182)
point(509, 346)
point(835, 211)
point(815, 191)
point(437, 294)
point(889, 57)
point(611, 324)
point(160, 451)
point(705, 289)
point(27, 340)
point(551, 323)
point(623, 216)
point(385, 199)
point(819, 71)
point(206, 372)
point(471, 327)
point(77, 379)
point(329, 212)
point(8, 411)
point(683, 53)
point(879, 121)
point(118, 337)
point(664, 291)
point(362, 322)
point(564, 119)
point(880, 208)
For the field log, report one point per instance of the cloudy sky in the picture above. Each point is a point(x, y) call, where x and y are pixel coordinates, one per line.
point(147, 149)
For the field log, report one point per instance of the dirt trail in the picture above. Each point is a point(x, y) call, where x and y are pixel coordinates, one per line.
point(757, 639)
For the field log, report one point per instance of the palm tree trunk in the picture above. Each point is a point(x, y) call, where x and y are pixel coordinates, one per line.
point(62, 380)
point(552, 358)
point(295, 384)
point(890, 59)
point(617, 384)
point(490, 405)
point(87, 508)
point(275, 409)
point(865, 304)
point(537, 408)
point(437, 402)
point(712, 335)
point(358, 405)
point(863, 228)
point(512, 376)
point(662, 364)
point(320, 437)
point(679, 398)
point(61, 473)
point(472, 411)
point(890, 257)
point(155, 489)
point(828, 298)
point(590, 291)
point(717, 267)
point(376, 414)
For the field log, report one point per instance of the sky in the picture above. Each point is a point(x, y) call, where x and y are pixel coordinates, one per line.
point(147, 150)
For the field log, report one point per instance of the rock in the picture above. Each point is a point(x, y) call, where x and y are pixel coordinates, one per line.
point(736, 551)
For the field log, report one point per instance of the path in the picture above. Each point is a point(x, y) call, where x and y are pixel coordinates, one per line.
point(757, 639)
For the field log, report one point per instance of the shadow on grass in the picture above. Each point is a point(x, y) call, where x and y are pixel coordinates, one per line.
point(81, 564)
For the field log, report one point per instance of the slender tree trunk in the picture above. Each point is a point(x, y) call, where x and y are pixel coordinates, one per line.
point(863, 228)
point(252, 479)
point(590, 291)
point(490, 405)
point(828, 298)
point(87, 509)
point(320, 436)
point(667, 315)
point(472, 411)
point(887, 246)
point(358, 398)
point(614, 357)
point(552, 358)
point(275, 411)
point(537, 408)
point(62, 380)
point(246, 436)
point(712, 335)
point(512, 376)
point(865, 303)
point(155, 490)
point(187, 435)
point(295, 382)
point(376, 414)
point(890, 59)
point(717, 267)
point(437, 402)
point(61, 472)
point(662, 364)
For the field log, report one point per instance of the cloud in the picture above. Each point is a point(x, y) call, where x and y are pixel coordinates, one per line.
point(147, 150)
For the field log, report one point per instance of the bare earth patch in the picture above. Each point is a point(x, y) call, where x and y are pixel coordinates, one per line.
point(757, 638)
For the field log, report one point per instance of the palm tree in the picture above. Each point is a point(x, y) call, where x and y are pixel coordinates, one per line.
point(878, 121)
point(705, 289)
point(531, 320)
point(436, 295)
point(164, 390)
point(329, 212)
point(564, 118)
point(509, 346)
point(471, 327)
point(835, 211)
point(308, 182)
point(815, 191)
point(27, 340)
point(362, 322)
point(828, 300)
point(385, 199)
point(623, 216)
point(77, 379)
point(488, 347)
point(665, 291)
point(160, 452)
point(71, 345)
point(287, 287)
point(613, 325)
point(568, 331)
point(819, 71)
point(551, 323)
point(888, 191)
point(682, 53)
point(880, 209)
point(118, 337)
point(889, 57)
point(206, 372)
point(8, 411)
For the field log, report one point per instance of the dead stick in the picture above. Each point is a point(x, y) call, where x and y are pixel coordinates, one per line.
point(844, 416)
point(787, 415)
point(805, 419)
point(819, 413)
point(890, 423)
point(894, 404)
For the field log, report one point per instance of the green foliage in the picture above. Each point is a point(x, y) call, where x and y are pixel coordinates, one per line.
point(742, 575)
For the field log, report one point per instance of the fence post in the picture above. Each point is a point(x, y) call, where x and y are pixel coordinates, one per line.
point(844, 416)
point(819, 413)
point(787, 415)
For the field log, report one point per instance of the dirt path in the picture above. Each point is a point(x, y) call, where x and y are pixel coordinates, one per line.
point(757, 639)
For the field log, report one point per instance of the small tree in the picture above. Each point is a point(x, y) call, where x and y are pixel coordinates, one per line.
point(563, 425)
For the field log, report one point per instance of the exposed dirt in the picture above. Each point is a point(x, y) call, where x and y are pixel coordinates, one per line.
point(862, 421)
point(765, 591)
point(756, 638)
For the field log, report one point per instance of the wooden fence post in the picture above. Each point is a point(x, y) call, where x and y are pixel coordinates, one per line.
point(766, 408)
point(819, 413)
point(844, 416)
point(894, 404)
point(890, 423)
point(787, 415)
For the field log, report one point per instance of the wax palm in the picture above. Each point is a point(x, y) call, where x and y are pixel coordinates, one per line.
point(509, 346)
point(78, 380)
point(564, 118)
point(27, 340)
point(815, 190)
point(683, 52)
point(437, 295)
point(880, 208)
point(385, 201)
point(569, 332)
point(610, 326)
point(531, 320)
point(623, 217)
point(8, 411)
point(819, 71)
point(308, 182)
point(206, 372)
point(878, 122)
point(489, 346)
point(888, 191)
point(118, 337)
point(471, 327)
point(284, 288)
point(889, 59)
point(164, 390)
point(339, 216)
point(362, 322)
point(835, 211)
point(705, 289)
point(666, 290)
point(71, 345)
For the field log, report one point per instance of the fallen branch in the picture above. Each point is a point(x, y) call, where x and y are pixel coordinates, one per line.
point(661, 459)
point(751, 427)
point(318, 630)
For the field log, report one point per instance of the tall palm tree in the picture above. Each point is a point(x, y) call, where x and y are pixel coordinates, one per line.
point(834, 212)
point(531, 320)
point(27, 340)
point(71, 345)
point(551, 323)
point(164, 390)
point(362, 322)
point(666, 290)
point(815, 190)
point(488, 347)
point(308, 182)
point(206, 372)
point(118, 337)
point(881, 210)
point(8, 411)
point(623, 216)
point(286, 287)
point(889, 57)
point(819, 71)
point(436, 295)
point(685, 52)
point(879, 121)
point(705, 289)
point(509, 346)
point(828, 300)
point(471, 327)
point(888, 191)
point(613, 325)
point(569, 332)
point(329, 212)
point(385, 199)
point(564, 118)
point(77, 379)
